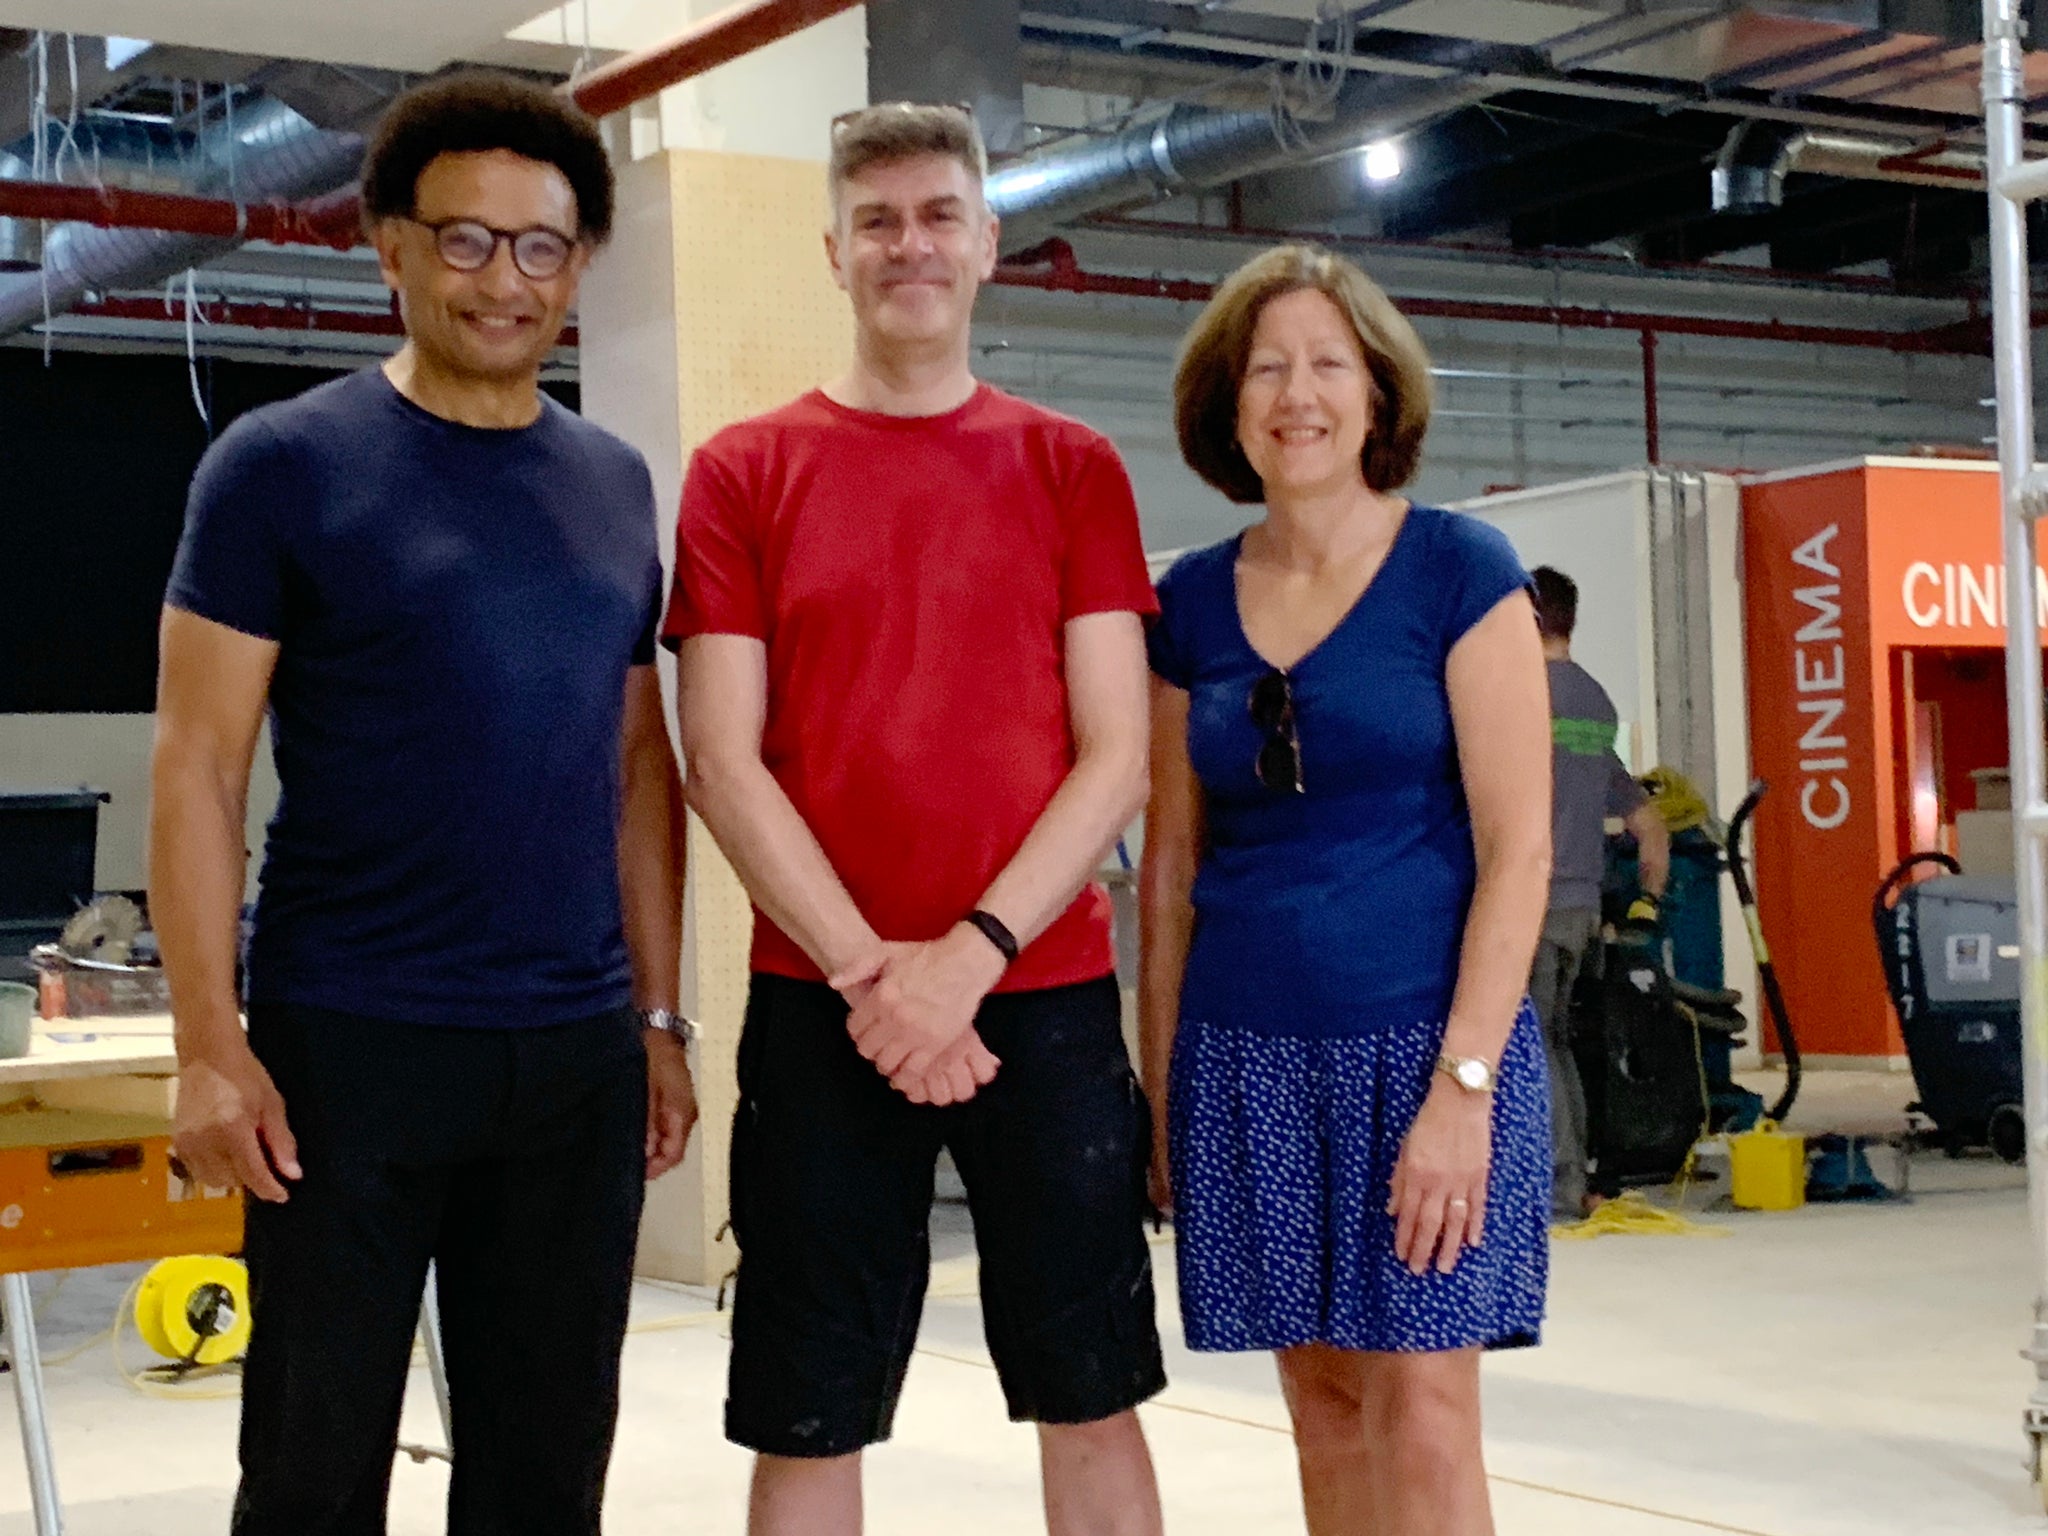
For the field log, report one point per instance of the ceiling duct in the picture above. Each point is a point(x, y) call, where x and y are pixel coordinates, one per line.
point(263, 151)
point(1191, 148)
point(1750, 171)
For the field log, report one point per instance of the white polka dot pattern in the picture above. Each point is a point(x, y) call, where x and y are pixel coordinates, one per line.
point(1283, 1149)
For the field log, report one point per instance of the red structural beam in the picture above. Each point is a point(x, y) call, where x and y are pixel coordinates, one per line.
point(1054, 268)
point(716, 40)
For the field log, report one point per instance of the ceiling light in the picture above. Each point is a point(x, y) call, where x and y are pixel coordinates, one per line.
point(1382, 160)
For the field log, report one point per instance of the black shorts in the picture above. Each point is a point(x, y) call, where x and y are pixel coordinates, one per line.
point(832, 1174)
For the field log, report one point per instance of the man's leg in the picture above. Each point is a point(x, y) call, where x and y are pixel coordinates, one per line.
point(336, 1273)
point(1098, 1477)
point(1559, 953)
point(832, 1174)
point(535, 1271)
point(1053, 1154)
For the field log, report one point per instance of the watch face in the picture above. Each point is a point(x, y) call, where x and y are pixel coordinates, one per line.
point(1473, 1074)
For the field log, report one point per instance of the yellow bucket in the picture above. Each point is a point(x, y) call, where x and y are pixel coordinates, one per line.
point(1767, 1169)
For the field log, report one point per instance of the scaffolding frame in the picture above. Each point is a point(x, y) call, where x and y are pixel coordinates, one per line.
point(2011, 182)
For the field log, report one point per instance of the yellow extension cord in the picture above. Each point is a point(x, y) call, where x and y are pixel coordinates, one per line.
point(1630, 1214)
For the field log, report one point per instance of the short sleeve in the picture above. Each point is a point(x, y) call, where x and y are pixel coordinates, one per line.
point(1624, 795)
point(718, 586)
point(651, 612)
point(650, 625)
point(1103, 570)
point(232, 559)
point(1166, 644)
point(1481, 569)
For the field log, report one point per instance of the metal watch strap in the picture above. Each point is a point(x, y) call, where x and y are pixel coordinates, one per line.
point(997, 932)
point(684, 1029)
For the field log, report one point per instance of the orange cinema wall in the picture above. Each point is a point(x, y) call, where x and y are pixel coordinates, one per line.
point(1851, 572)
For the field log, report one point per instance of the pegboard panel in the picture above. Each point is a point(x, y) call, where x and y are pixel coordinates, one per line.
point(758, 321)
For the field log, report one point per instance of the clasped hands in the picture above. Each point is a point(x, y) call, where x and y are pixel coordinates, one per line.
point(913, 1014)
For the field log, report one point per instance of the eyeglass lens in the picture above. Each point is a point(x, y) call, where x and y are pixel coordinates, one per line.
point(469, 247)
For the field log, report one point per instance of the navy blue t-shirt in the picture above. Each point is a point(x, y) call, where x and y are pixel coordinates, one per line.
point(455, 610)
point(1341, 909)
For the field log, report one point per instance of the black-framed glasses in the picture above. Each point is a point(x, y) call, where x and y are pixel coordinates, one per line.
point(470, 245)
point(1278, 764)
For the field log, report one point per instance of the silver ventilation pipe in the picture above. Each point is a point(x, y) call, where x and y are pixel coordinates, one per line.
point(1750, 170)
point(1191, 148)
point(268, 152)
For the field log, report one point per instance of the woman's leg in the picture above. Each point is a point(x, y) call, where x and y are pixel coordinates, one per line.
point(1325, 1391)
point(1421, 1418)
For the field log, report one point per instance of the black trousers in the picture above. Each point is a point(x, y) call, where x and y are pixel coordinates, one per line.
point(513, 1159)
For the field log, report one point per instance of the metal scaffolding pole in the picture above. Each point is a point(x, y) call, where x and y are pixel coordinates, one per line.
point(2023, 497)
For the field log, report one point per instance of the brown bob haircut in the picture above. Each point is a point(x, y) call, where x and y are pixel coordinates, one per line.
point(1213, 358)
point(902, 130)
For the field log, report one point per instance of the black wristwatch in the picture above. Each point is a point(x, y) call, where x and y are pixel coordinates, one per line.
point(996, 931)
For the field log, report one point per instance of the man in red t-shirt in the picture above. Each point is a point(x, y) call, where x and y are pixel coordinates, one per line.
point(910, 611)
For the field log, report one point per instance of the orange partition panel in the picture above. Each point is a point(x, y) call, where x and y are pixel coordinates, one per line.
point(1820, 726)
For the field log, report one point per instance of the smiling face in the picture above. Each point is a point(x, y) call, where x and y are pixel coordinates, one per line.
point(1305, 404)
point(495, 325)
point(912, 243)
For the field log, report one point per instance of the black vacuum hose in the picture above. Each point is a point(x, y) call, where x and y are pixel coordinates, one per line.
point(1767, 976)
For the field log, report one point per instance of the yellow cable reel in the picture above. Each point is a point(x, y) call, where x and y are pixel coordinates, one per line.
point(195, 1308)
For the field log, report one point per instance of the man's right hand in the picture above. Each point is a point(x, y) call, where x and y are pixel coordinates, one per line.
point(229, 1129)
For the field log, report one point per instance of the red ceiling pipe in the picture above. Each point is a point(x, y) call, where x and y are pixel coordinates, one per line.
point(123, 208)
point(260, 316)
point(1054, 267)
point(1651, 446)
point(716, 40)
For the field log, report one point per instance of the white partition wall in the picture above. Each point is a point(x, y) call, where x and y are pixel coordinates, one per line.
point(1657, 556)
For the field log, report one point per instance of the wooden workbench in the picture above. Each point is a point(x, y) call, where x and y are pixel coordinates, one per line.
point(67, 1050)
point(125, 1066)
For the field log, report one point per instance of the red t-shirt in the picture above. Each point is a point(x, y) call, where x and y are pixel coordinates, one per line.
point(911, 577)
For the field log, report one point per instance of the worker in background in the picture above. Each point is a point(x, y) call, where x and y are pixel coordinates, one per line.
point(909, 609)
point(1591, 785)
point(461, 1043)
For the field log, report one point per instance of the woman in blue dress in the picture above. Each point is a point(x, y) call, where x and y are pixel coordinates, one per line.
point(1346, 867)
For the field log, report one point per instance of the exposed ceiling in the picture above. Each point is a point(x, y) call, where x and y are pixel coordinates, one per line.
point(1603, 120)
point(388, 34)
point(1589, 127)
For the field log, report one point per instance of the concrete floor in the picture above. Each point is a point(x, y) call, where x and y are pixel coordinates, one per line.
point(1820, 1373)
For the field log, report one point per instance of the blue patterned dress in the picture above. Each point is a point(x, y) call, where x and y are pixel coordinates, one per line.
point(1325, 953)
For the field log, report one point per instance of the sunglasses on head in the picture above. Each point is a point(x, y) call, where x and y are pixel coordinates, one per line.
point(1278, 764)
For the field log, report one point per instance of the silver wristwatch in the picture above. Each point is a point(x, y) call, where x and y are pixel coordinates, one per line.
point(1474, 1074)
point(685, 1030)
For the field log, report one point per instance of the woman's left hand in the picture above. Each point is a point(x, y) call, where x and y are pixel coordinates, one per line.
point(1438, 1198)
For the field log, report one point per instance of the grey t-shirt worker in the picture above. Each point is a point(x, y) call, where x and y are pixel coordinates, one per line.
point(1590, 785)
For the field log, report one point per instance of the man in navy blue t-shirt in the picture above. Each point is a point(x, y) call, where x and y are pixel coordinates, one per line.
point(461, 1045)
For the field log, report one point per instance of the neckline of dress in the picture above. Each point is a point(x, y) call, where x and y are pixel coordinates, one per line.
point(1358, 602)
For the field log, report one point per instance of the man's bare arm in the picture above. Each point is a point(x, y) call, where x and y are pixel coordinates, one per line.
point(651, 890)
point(723, 703)
point(650, 845)
point(211, 694)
